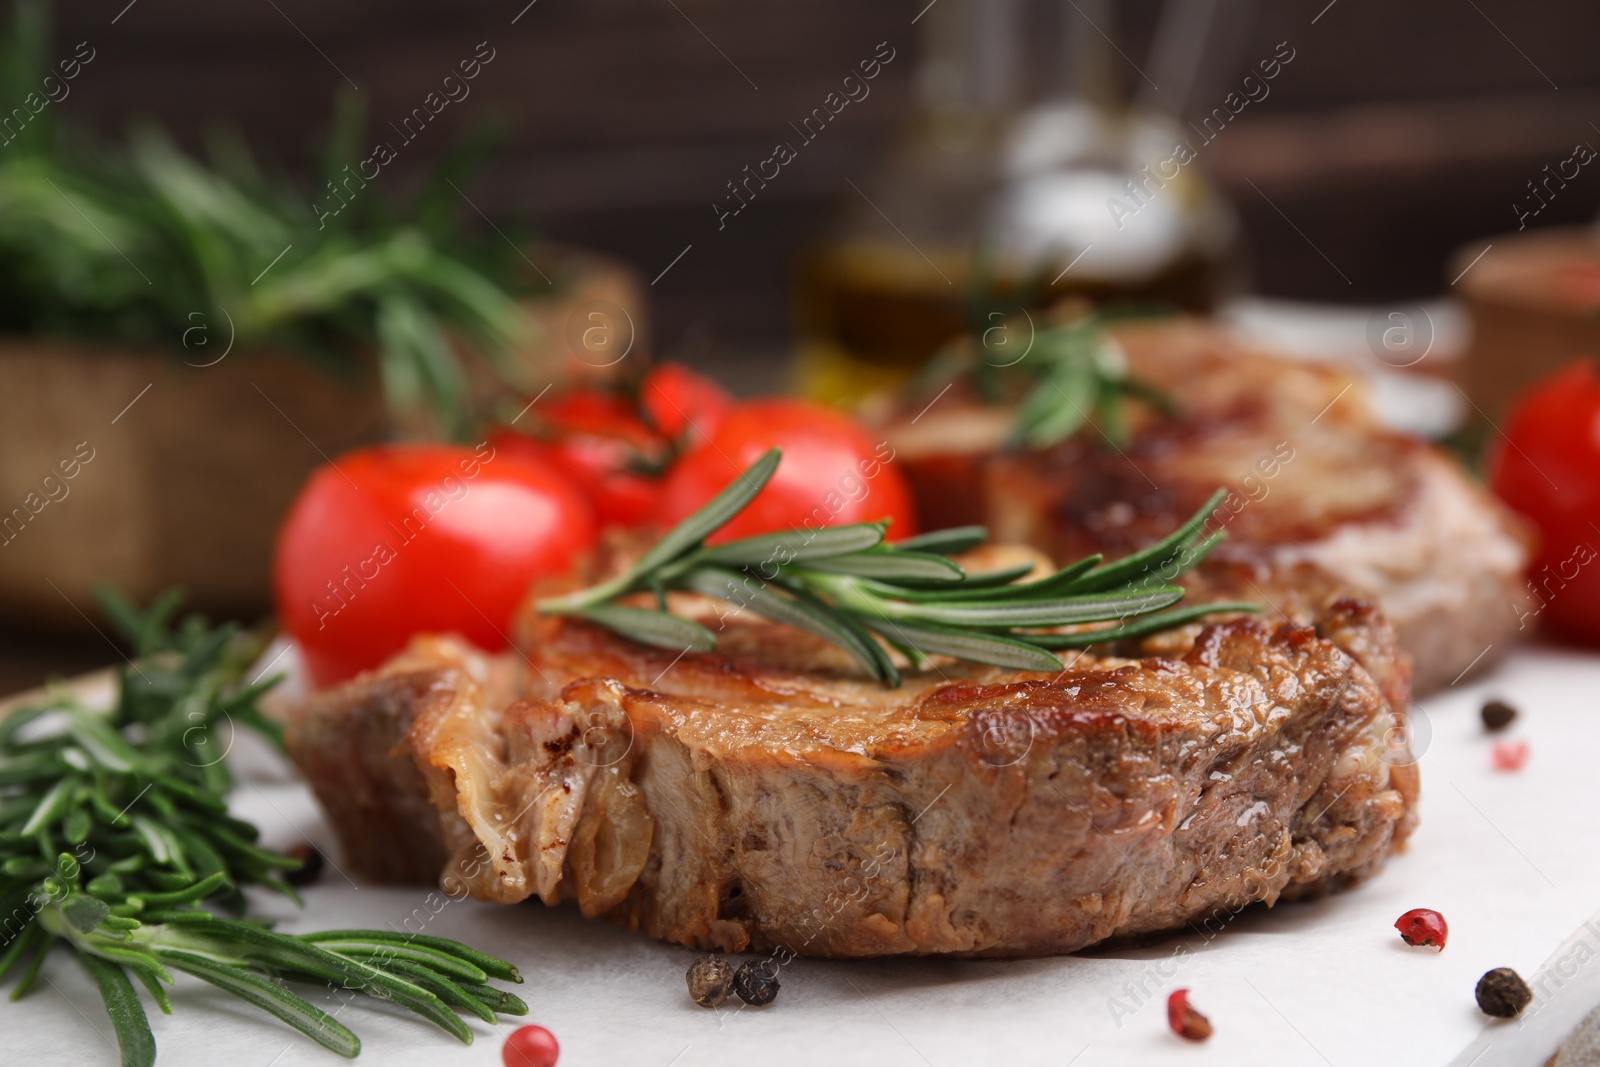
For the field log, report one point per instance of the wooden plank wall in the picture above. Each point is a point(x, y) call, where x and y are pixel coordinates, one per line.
point(1400, 131)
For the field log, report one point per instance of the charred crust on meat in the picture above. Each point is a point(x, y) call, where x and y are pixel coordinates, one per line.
point(761, 792)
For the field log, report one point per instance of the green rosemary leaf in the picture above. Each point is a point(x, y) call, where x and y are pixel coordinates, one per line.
point(1061, 581)
point(11, 725)
point(973, 647)
point(158, 991)
point(1108, 410)
point(409, 994)
point(77, 826)
point(205, 859)
point(104, 745)
point(729, 586)
point(892, 565)
point(1064, 611)
point(310, 1020)
point(981, 586)
point(183, 917)
point(948, 542)
point(125, 618)
point(161, 844)
point(247, 851)
point(442, 986)
point(680, 539)
point(493, 966)
point(496, 1000)
point(1059, 405)
point(134, 1040)
point(51, 806)
point(29, 769)
point(380, 954)
point(21, 943)
point(714, 515)
point(1202, 548)
point(1163, 553)
point(797, 545)
point(973, 583)
point(187, 895)
point(199, 798)
point(133, 958)
point(652, 627)
point(31, 972)
point(1140, 627)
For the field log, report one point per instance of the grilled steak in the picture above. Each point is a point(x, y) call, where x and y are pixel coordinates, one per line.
point(1314, 479)
point(768, 796)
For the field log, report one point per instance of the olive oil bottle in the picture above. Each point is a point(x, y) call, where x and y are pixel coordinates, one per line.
point(1005, 193)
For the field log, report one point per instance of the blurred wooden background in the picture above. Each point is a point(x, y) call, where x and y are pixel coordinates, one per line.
point(1401, 131)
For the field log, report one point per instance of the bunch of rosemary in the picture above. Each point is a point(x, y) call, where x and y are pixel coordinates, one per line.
point(114, 831)
point(148, 246)
point(847, 585)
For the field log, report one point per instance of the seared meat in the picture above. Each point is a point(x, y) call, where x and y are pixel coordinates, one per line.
point(769, 797)
point(1314, 479)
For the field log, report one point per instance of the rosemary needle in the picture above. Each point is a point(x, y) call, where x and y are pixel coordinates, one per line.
point(114, 833)
point(850, 587)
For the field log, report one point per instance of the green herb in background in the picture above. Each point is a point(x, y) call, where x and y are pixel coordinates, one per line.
point(139, 245)
point(1080, 376)
point(1064, 372)
point(848, 586)
point(114, 832)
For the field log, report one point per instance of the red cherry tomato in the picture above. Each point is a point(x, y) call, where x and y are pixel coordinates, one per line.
point(392, 541)
point(679, 402)
point(600, 467)
point(1548, 468)
point(832, 473)
point(530, 1046)
point(588, 410)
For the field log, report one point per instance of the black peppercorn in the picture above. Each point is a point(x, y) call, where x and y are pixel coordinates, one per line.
point(710, 981)
point(756, 983)
point(310, 868)
point(1503, 994)
point(1497, 715)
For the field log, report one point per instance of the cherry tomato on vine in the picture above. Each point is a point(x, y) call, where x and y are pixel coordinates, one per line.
point(1548, 468)
point(833, 472)
point(601, 468)
point(396, 540)
point(686, 407)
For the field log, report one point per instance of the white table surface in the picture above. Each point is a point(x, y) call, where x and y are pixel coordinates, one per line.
point(1511, 859)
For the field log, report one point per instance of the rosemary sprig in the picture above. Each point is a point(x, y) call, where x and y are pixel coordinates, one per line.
point(114, 832)
point(1068, 374)
point(847, 585)
point(1079, 375)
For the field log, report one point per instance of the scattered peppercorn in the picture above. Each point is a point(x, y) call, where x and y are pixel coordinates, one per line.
point(756, 983)
point(1509, 755)
point(710, 981)
point(1503, 994)
point(1184, 1020)
point(310, 868)
point(1423, 926)
point(1497, 715)
point(530, 1046)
